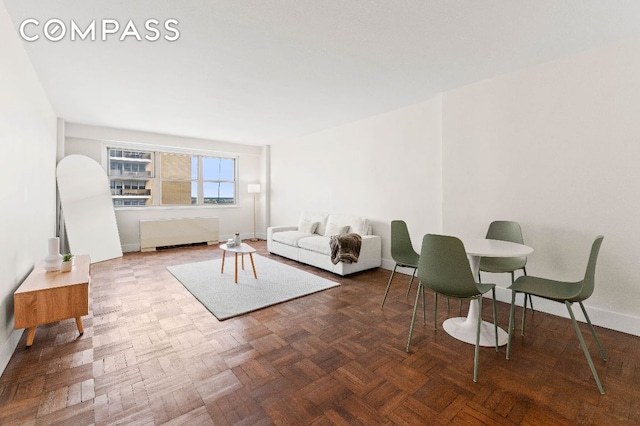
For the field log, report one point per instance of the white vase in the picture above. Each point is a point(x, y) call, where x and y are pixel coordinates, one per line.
point(54, 259)
point(237, 239)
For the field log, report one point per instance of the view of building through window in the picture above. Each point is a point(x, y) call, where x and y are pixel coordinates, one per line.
point(131, 176)
point(147, 178)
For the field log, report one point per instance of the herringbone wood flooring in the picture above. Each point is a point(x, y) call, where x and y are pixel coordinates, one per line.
point(151, 354)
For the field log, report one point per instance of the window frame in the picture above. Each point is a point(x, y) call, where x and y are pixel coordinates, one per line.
point(156, 179)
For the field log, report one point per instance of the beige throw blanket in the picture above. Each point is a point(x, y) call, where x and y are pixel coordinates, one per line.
point(345, 248)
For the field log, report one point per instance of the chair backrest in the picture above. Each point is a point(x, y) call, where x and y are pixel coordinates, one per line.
point(444, 267)
point(588, 284)
point(504, 230)
point(402, 250)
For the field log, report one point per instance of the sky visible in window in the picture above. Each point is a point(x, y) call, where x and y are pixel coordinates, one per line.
point(216, 169)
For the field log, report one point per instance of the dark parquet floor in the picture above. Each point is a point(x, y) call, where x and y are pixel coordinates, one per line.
point(151, 355)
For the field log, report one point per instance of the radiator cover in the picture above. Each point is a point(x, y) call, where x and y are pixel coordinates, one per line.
point(173, 232)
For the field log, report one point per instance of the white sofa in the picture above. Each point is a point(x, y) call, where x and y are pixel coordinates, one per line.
point(308, 241)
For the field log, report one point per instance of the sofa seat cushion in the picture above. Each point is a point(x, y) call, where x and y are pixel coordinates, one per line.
point(290, 238)
point(318, 244)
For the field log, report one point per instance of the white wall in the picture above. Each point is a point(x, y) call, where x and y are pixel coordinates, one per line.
point(92, 141)
point(27, 170)
point(556, 148)
point(384, 167)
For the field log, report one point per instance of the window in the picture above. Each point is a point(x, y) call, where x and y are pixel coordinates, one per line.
point(147, 178)
point(179, 173)
point(218, 180)
point(131, 177)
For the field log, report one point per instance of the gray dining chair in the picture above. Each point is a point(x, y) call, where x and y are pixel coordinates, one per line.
point(506, 230)
point(567, 293)
point(402, 253)
point(444, 269)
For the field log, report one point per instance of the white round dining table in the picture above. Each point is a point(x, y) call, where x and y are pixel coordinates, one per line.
point(464, 328)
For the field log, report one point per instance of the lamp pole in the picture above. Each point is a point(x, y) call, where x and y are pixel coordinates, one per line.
point(254, 188)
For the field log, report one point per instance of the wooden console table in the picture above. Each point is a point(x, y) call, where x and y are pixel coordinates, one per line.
point(46, 297)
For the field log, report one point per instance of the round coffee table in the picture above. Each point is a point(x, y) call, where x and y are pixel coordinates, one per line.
point(241, 249)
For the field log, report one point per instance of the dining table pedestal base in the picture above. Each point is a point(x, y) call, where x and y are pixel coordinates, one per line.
point(464, 329)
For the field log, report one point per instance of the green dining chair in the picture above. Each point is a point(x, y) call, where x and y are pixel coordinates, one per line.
point(506, 230)
point(567, 293)
point(444, 269)
point(402, 253)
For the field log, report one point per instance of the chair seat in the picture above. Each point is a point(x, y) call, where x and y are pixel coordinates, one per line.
point(548, 289)
point(483, 288)
point(408, 264)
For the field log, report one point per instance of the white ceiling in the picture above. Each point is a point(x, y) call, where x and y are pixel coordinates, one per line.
point(259, 71)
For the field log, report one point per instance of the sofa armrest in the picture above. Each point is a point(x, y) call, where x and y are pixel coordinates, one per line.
point(272, 229)
point(372, 248)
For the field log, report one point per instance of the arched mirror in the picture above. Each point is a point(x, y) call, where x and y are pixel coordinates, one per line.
point(88, 211)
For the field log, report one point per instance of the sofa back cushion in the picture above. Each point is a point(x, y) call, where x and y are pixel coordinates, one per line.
point(307, 226)
point(334, 228)
point(356, 224)
point(313, 217)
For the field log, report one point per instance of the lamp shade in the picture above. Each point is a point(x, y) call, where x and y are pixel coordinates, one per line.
point(253, 188)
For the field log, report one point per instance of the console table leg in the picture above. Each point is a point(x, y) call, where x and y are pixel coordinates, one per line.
point(30, 336)
point(79, 324)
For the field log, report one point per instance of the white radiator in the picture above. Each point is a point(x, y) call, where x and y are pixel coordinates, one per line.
point(173, 232)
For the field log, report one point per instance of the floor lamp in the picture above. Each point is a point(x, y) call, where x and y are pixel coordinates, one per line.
point(254, 188)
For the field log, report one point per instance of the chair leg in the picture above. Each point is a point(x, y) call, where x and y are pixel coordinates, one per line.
point(477, 350)
point(524, 270)
point(512, 314)
point(584, 347)
point(424, 308)
point(593, 332)
point(389, 285)
point(495, 316)
point(411, 282)
point(524, 314)
point(524, 302)
point(435, 310)
point(413, 318)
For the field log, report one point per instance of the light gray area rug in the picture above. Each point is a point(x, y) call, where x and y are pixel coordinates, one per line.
point(219, 293)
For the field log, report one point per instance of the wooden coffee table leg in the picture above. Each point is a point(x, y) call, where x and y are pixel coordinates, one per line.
point(253, 266)
point(236, 268)
point(79, 324)
point(31, 335)
point(223, 253)
point(242, 261)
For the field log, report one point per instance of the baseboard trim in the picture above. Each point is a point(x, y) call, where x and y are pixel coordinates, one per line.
point(9, 348)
